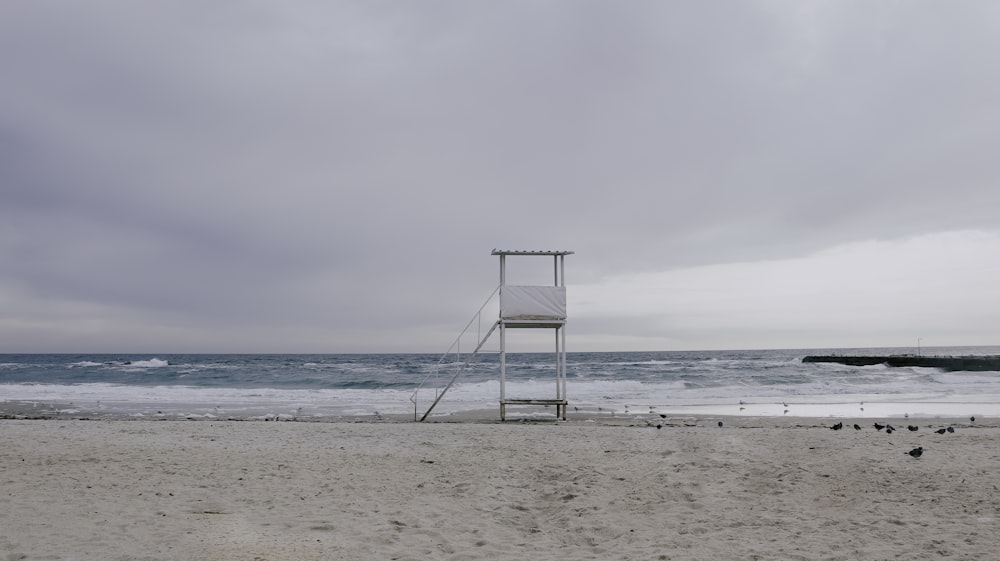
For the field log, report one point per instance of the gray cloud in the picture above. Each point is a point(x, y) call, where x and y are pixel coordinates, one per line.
point(309, 164)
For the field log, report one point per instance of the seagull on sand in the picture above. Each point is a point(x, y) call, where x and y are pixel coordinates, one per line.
point(857, 426)
point(879, 427)
point(912, 428)
point(941, 431)
point(838, 426)
point(916, 452)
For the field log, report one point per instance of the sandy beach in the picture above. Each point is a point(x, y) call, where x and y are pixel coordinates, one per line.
point(754, 488)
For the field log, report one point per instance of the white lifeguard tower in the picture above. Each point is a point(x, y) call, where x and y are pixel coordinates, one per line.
point(534, 307)
point(520, 307)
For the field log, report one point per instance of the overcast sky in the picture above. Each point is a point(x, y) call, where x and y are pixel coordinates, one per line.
point(243, 176)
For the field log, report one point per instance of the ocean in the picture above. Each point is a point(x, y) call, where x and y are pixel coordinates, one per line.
point(382, 386)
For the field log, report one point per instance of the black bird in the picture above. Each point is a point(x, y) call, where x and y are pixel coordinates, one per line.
point(973, 419)
point(951, 429)
point(838, 426)
point(912, 428)
point(720, 423)
point(941, 431)
point(916, 452)
point(663, 415)
point(889, 429)
point(879, 427)
point(857, 426)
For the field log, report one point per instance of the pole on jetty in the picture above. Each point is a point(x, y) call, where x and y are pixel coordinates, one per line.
point(919, 339)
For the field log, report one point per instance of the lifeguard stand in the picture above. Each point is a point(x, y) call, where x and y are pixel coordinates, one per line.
point(521, 307)
point(534, 307)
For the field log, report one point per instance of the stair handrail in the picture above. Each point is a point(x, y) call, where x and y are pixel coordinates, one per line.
point(476, 318)
point(458, 372)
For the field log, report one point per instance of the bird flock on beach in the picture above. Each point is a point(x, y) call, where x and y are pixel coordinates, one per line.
point(886, 427)
point(889, 429)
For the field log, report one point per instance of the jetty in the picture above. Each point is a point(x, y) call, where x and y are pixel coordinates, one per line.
point(948, 363)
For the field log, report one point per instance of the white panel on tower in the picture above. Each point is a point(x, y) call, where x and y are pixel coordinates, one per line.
point(533, 302)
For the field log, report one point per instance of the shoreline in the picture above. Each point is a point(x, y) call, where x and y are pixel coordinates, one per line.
point(42, 411)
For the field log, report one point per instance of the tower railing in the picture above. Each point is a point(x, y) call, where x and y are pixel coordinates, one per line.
point(453, 358)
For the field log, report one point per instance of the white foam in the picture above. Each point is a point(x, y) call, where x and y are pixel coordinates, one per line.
point(815, 396)
point(151, 363)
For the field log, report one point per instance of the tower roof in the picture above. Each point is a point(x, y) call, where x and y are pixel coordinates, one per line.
point(529, 252)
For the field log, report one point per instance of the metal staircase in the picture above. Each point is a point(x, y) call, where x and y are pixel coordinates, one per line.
point(453, 358)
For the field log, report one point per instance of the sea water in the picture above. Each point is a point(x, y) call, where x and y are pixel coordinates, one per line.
point(286, 386)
